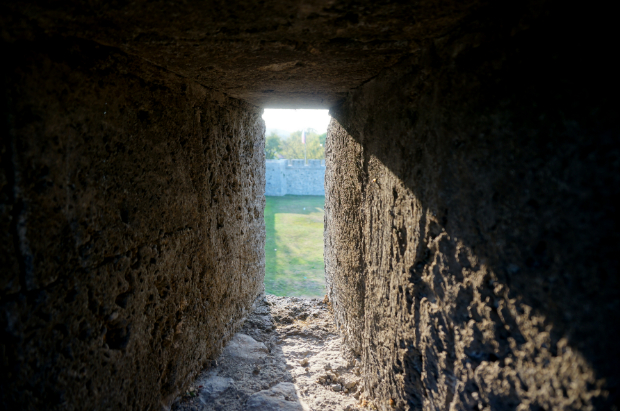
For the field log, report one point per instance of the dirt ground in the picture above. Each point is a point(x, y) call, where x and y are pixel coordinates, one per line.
point(287, 356)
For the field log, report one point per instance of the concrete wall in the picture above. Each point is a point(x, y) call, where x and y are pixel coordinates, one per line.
point(471, 220)
point(132, 227)
point(293, 177)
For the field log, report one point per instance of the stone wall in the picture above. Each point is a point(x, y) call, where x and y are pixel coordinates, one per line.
point(273, 54)
point(275, 177)
point(471, 221)
point(132, 227)
point(293, 177)
point(472, 226)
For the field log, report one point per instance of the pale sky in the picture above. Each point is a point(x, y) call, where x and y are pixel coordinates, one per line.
point(294, 120)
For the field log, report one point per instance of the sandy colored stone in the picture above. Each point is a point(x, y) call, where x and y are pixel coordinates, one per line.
point(212, 386)
point(276, 53)
point(245, 347)
point(278, 380)
point(472, 225)
point(281, 397)
point(469, 242)
point(140, 233)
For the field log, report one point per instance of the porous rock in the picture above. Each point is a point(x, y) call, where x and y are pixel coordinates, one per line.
point(235, 382)
point(275, 54)
point(472, 231)
point(470, 242)
point(212, 387)
point(280, 397)
point(245, 347)
point(134, 206)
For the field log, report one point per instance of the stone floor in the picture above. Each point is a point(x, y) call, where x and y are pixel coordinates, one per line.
point(287, 356)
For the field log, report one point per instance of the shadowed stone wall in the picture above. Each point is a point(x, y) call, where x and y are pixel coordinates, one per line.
point(472, 233)
point(471, 222)
point(273, 54)
point(132, 227)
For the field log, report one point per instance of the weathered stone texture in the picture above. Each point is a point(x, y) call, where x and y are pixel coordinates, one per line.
point(275, 53)
point(132, 227)
point(472, 225)
point(473, 170)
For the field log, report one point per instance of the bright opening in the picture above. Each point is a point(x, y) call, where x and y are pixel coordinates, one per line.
point(295, 194)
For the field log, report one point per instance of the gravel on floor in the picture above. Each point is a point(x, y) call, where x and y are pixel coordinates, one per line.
point(287, 356)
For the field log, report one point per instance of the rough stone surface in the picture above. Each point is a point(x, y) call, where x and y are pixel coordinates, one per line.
point(132, 227)
point(472, 243)
point(281, 397)
point(305, 358)
point(245, 347)
point(269, 53)
point(212, 386)
point(472, 222)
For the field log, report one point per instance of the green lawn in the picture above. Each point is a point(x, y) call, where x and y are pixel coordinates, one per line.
point(294, 247)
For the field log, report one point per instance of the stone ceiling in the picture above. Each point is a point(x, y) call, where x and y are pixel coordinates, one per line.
point(269, 53)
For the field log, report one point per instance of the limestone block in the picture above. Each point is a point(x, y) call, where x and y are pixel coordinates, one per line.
point(246, 347)
point(469, 248)
point(281, 397)
point(137, 202)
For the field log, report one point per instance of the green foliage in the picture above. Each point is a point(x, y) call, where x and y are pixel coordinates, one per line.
point(292, 147)
point(294, 248)
point(272, 146)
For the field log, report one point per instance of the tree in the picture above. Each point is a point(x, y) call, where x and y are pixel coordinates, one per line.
point(272, 146)
point(292, 147)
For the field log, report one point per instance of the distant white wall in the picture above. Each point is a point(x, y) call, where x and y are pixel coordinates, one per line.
point(293, 177)
point(275, 177)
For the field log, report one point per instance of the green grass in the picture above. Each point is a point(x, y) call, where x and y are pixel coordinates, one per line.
point(294, 247)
